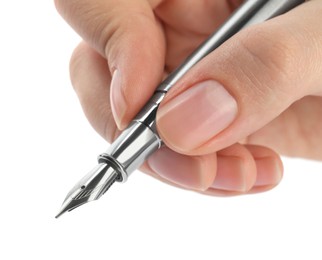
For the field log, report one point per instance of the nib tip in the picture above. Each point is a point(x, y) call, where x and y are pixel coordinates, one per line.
point(58, 215)
point(90, 188)
point(61, 212)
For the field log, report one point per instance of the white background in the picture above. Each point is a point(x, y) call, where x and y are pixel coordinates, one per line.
point(46, 145)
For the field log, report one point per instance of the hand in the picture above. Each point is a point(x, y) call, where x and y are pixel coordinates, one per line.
point(258, 93)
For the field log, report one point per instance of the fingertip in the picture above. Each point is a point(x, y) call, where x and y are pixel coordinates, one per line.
point(236, 170)
point(269, 166)
point(117, 100)
point(194, 173)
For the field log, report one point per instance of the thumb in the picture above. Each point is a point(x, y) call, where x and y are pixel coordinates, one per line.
point(127, 34)
point(245, 83)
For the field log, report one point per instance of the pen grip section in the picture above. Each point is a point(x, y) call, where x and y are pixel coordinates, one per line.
point(128, 152)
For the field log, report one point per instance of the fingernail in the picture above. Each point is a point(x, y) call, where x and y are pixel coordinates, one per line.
point(184, 171)
point(118, 103)
point(196, 115)
point(269, 171)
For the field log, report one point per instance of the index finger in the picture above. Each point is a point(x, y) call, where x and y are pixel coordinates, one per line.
point(128, 35)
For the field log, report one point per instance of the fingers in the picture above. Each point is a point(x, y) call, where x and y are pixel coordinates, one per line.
point(245, 83)
point(127, 34)
point(232, 171)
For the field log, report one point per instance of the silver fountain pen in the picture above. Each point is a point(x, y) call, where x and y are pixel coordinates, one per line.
point(140, 139)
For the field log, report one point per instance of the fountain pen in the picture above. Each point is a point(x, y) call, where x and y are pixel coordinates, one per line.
point(140, 139)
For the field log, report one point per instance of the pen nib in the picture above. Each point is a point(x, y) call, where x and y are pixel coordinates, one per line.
point(90, 188)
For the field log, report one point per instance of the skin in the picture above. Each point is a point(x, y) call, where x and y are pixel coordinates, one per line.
point(273, 71)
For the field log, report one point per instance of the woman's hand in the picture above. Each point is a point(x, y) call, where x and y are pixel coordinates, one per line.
point(258, 93)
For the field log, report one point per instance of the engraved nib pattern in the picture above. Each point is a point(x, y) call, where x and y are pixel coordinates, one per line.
point(90, 188)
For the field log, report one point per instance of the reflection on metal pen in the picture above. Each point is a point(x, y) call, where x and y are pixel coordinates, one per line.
point(140, 139)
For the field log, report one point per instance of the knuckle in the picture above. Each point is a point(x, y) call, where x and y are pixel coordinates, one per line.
point(111, 29)
point(61, 6)
point(102, 28)
point(122, 30)
point(75, 64)
point(273, 54)
point(57, 4)
point(90, 20)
